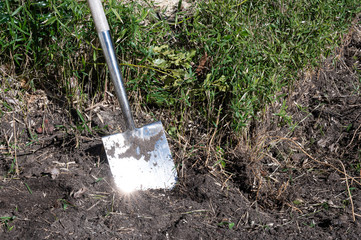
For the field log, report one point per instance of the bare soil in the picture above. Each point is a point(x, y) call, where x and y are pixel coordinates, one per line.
point(287, 183)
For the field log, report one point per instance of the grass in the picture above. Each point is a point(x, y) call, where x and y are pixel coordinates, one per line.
point(254, 49)
point(6, 222)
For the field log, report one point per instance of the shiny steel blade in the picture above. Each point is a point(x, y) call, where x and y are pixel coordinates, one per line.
point(140, 159)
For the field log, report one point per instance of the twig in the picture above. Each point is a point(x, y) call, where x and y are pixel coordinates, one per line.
point(353, 137)
point(353, 177)
point(93, 206)
point(195, 211)
point(94, 106)
point(349, 192)
point(295, 208)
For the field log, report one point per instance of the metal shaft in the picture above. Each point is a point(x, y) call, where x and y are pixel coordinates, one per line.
point(116, 76)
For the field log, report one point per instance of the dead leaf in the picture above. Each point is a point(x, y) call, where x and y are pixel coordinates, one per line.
point(202, 64)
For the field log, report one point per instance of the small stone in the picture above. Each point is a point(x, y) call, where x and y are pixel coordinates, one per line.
point(54, 172)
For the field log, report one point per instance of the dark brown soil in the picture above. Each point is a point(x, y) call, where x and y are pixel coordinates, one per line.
point(288, 183)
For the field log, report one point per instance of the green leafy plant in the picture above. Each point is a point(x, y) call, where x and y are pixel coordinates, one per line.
point(65, 204)
point(174, 72)
point(6, 222)
point(84, 124)
point(174, 62)
point(98, 180)
point(297, 202)
point(325, 205)
point(283, 114)
point(220, 156)
point(230, 225)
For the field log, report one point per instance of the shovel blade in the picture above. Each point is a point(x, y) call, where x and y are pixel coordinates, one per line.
point(140, 159)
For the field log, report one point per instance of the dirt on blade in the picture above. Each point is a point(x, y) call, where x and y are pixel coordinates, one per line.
point(298, 182)
point(139, 147)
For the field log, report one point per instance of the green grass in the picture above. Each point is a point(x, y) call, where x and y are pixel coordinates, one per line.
point(260, 46)
point(255, 48)
point(6, 222)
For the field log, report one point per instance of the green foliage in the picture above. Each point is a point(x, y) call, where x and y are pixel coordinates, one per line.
point(221, 162)
point(84, 124)
point(261, 45)
point(177, 63)
point(325, 206)
point(175, 74)
point(312, 224)
point(65, 204)
point(6, 221)
point(229, 224)
point(254, 48)
point(98, 180)
point(283, 114)
point(32, 30)
point(28, 188)
point(12, 167)
point(297, 202)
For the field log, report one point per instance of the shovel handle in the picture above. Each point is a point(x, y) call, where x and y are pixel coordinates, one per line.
point(102, 27)
point(98, 14)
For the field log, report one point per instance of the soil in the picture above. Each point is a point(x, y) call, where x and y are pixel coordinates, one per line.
point(288, 183)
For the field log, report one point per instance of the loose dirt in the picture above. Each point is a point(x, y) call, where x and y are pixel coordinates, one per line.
point(288, 183)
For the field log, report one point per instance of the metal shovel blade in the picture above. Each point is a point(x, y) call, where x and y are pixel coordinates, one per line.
point(140, 159)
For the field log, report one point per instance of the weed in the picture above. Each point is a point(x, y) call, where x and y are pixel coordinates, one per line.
point(6, 221)
point(84, 124)
point(356, 167)
point(98, 180)
point(266, 227)
point(12, 169)
point(29, 189)
point(220, 156)
point(172, 131)
point(283, 114)
point(230, 225)
point(348, 127)
point(65, 204)
point(312, 224)
point(325, 205)
point(297, 202)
